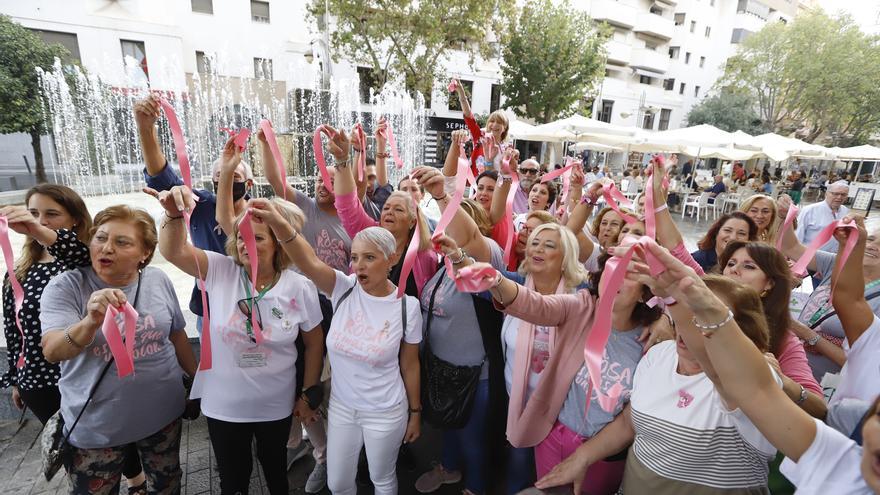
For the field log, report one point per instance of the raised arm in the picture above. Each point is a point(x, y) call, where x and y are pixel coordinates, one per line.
point(300, 252)
point(270, 169)
point(230, 157)
point(381, 154)
point(340, 148)
point(172, 233)
point(146, 112)
point(499, 200)
point(450, 165)
point(791, 246)
point(668, 234)
point(848, 297)
point(463, 101)
point(21, 220)
point(577, 219)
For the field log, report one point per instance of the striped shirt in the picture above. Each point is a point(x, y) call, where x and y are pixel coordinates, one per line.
point(684, 435)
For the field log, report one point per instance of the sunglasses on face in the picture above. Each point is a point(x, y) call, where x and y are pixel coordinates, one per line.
point(529, 171)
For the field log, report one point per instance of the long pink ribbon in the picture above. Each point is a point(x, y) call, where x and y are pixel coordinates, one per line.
point(457, 197)
point(17, 290)
point(123, 351)
point(361, 138)
point(594, 348)
point(409, 258)
point(800, 268)
point(269, 132)
point(452, 86)
point(473, 279)
point(392, 142)
point(240, 136)
point(612, 196)
point(246, 229)
point(508, 216)
point(790, 216)
point(318, 146)
point(206, 359)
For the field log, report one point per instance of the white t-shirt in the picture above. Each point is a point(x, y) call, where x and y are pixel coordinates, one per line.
point(684, 432)
point(250, 382)
point(860, 375)
point(830, 465)
point(363, 345)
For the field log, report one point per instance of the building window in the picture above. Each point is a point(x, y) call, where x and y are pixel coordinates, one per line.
point(681, 89)
point(605, 114)
point(696, 91)
point(655, 10)
point(468, 89)
point(739, 35)
point(708, 31)
point(754, 8)
point(679, 18)
point(665, 113)
point(648, 121)
point(205, 63)
point(67, 40)
point(650, 46)
point(263, 68)
point(674, 52)
point(203, 6)
point(687, 57)
point(135, 54)
point(495, 98)
point(693, 26)
point(259, 11)
point(669, 84)
point(646, 79)
point(702, 62)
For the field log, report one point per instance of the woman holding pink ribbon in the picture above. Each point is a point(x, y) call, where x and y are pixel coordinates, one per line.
point(116, 407)
point(489, 143)
point(57, 224)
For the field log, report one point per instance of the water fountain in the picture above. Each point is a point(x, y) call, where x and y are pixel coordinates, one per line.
point(97, 150)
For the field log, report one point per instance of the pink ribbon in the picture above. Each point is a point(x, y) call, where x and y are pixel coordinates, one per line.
point(240, 136)
point(660, 301)
point(412, 252)
point(319, 154)
point(790, 216)
point(650, 208)
point(452, 86)
point(565, 172)
point(612, 196)
point(269, 132)
point(123, 351)
point(473, 279)
point(17, 290)
point(594, 349)
point(389, 135)
point(246, 229)
point(361, 137)
point(457, 197)
point(800, 268)
point(205, 362)
point(508, 216)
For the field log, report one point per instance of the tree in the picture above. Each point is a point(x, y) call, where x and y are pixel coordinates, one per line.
point(552, 60)
point(815, 75)
point(413, 39)
point(21, 109)
point(727, 111)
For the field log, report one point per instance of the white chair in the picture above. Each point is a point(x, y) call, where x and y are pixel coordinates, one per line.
point(732, 200)
point(720, 201)
point(699, 204)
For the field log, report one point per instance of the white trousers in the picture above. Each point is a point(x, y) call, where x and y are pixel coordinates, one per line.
point(380, 432)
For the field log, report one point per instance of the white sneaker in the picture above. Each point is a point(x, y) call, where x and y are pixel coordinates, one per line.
point(296, 453)
point(318, 479)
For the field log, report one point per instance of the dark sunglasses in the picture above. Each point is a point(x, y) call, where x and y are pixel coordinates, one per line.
point(529, 171)
point(249, 308)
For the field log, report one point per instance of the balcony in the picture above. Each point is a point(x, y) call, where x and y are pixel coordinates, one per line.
point(619, 52)
point(652, 60)
point(614, 13)
point(654, 25)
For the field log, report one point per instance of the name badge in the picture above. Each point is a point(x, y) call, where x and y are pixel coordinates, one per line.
point(251, 360)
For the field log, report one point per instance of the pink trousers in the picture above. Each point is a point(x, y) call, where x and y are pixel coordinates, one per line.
point(603, 478)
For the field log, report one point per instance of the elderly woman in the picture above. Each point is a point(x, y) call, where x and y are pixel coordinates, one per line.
point(248, 393)
point(56, 222)
point(399, 216)
point(144, 407)
point(372, 346)
point(762, 210)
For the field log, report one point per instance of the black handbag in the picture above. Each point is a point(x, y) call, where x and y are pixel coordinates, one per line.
point(447, 389)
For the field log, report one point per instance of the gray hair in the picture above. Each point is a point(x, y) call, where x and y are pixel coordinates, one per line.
point(379, 237)
point(841, 184)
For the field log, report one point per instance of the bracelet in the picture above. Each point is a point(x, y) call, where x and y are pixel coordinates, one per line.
point(498, 279)
point(73, 342)
point(343, 163)
point(708, 330)
point(415, 410)
point(803, 395)
point(661, 208)
point(589, 201)
point(171, 219)
point(461, 257)
point(383, 155)
point(292, 237)
point(313, 396)
point(444, 197)
point(813, 340)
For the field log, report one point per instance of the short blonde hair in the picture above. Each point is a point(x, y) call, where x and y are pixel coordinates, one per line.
point(140, 218)
point(543, 215)
point(572, 270)
point(280, 260)
point(501, 117)
point(415, 212)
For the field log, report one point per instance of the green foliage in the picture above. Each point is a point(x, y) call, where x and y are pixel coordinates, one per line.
point(816, 75)
point(727, 111)
point(414, 39)
point(21, 52)
point(553, 60)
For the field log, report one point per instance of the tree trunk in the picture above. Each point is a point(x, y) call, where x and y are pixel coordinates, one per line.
point(38, 156)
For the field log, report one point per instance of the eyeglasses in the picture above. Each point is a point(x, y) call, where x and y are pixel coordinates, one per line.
point(529, 171)
point(248, 307)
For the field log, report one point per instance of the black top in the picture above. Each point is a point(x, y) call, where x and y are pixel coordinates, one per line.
point(37, 373)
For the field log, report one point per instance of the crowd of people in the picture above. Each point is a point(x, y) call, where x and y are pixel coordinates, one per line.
point(550, 344)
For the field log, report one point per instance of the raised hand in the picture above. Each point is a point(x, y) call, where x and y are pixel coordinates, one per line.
point(146, 112)
point(841, 235)
point(175, 200)
point(445, 244)
point(20, 219)
point(431, 179)
point(100, 300)
point(340, 145)
point(230, 157)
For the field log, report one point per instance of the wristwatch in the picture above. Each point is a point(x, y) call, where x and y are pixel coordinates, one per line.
point(813, 341)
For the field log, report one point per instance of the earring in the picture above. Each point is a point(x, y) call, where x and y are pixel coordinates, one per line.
point(763, 293)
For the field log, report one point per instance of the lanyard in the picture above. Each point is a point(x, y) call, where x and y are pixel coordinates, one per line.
point(826, 306)
point(251, 302)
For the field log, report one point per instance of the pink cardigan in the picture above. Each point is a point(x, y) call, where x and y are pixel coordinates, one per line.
point(792, 358)
point(355, 219)
point(572, 314)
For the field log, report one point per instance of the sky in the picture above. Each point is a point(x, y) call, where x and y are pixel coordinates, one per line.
point(865, 12)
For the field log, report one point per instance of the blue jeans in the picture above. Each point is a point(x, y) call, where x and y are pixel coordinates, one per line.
point(468, 445)
point(520, 469)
